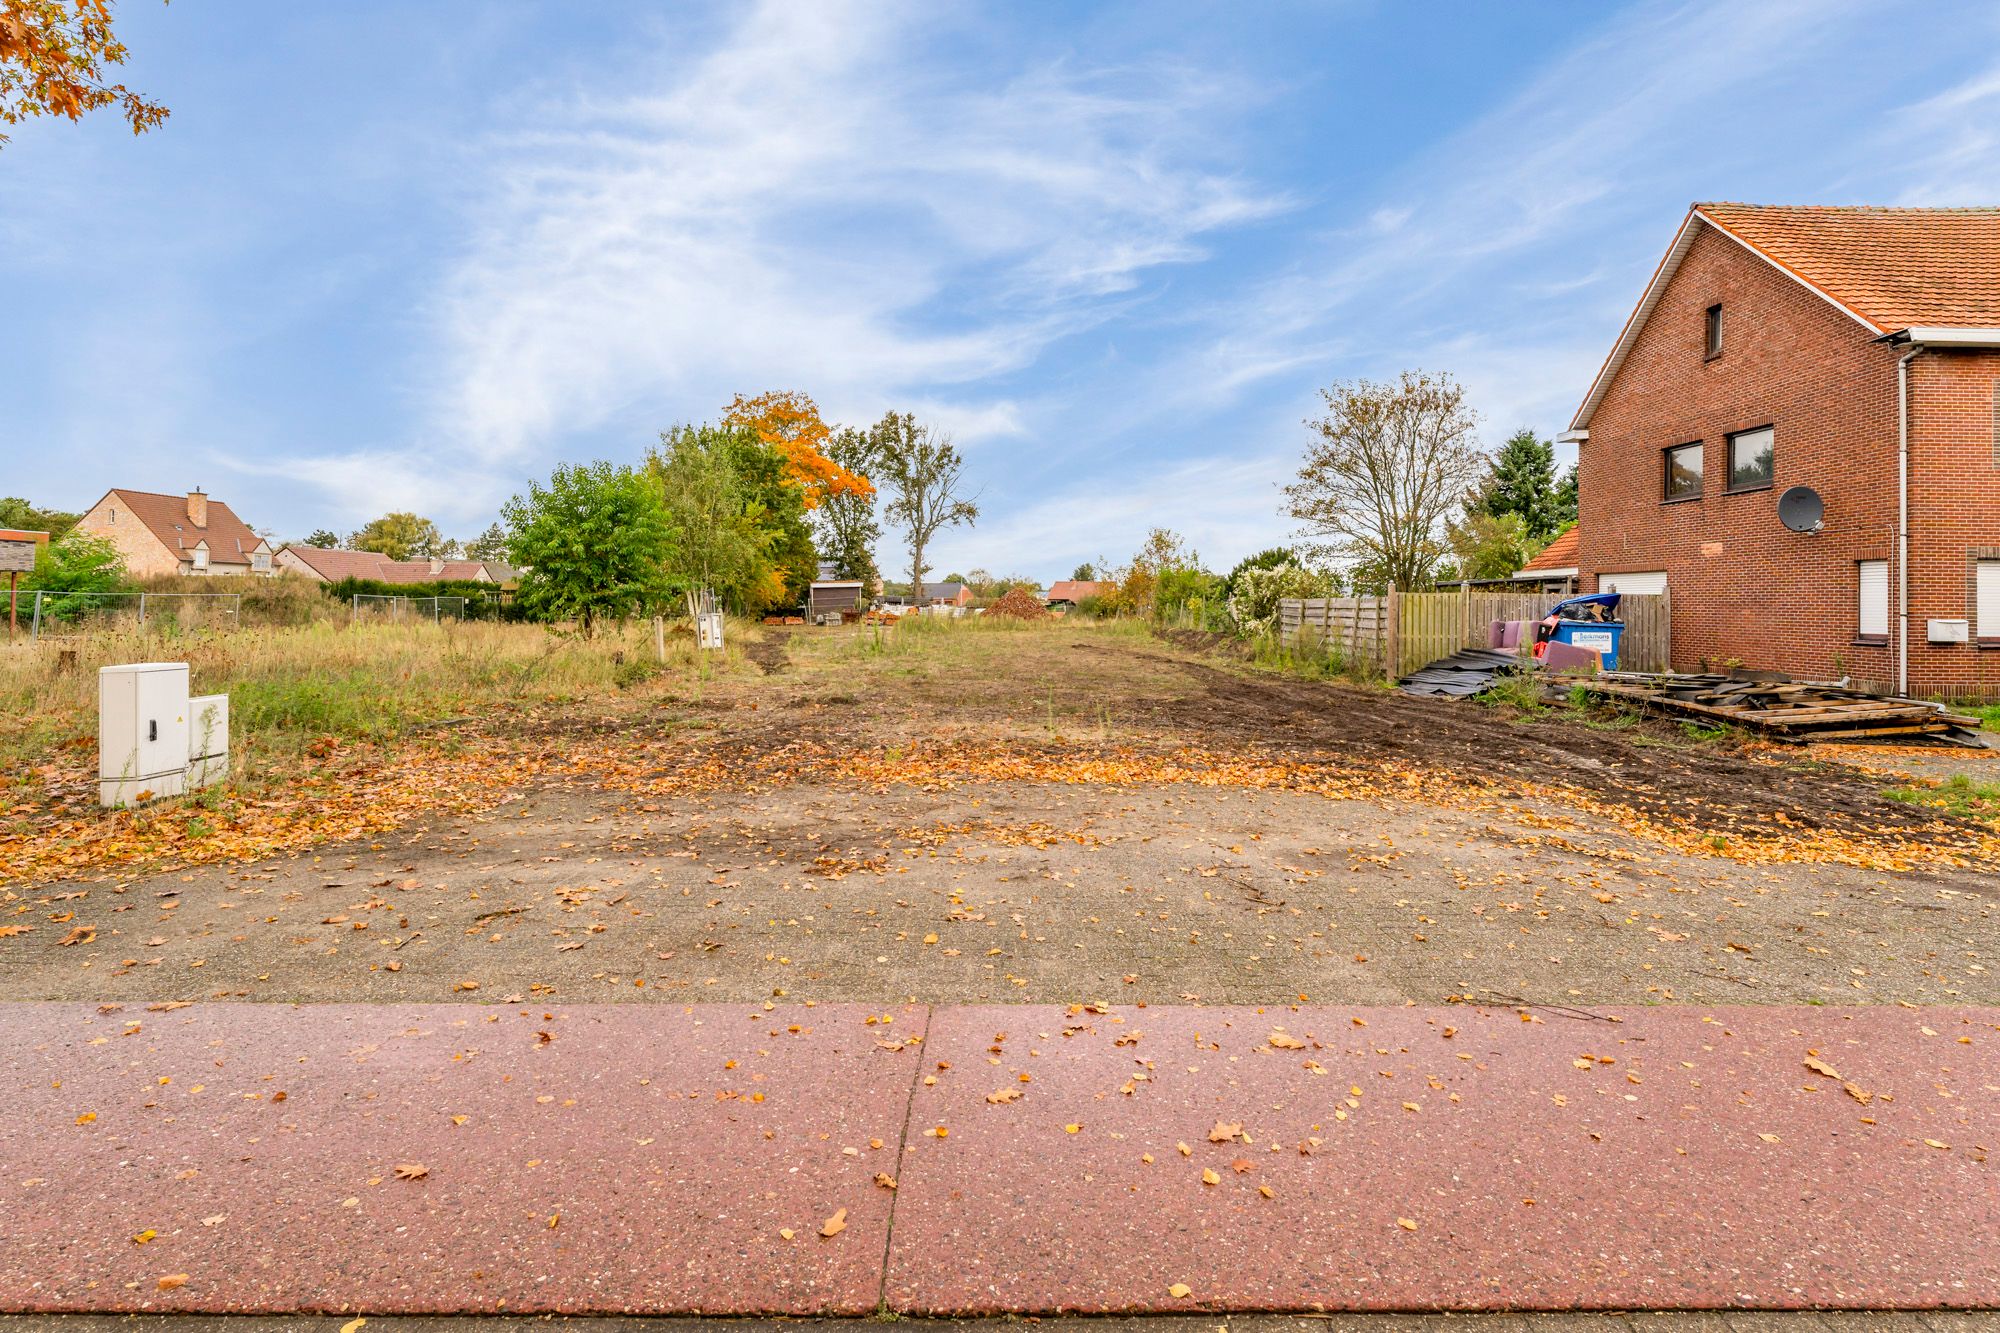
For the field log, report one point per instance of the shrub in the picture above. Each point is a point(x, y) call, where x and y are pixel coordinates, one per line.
point(1253, 606)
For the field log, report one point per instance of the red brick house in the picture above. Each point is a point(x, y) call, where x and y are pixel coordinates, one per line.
point(176, 534)
point(1854, 351)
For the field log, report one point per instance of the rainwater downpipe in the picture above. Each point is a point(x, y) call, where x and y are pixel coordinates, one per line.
point(1903, 518)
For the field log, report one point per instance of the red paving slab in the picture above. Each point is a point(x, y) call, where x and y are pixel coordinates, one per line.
point(254, 1149)
point(1679, 1158)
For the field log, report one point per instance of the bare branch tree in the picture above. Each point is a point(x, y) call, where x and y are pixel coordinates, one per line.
point(920, 470)
point(1390, 462)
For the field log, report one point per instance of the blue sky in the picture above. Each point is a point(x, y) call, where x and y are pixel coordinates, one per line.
point(402, 255)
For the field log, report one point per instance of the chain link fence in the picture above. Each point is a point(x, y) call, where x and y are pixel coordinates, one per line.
point(43, 612)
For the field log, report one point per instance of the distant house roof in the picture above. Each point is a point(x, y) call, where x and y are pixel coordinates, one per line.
point(945, 592)
point(1559, 556)
point(1073, 590)
point(230, 540)
point(334, 565)
point(1888, 269)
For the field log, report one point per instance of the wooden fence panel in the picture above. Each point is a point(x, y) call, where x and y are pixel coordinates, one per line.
point(1403, 632)
point(1648, 642)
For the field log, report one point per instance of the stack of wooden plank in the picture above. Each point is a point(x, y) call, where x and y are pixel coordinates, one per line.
point(1789, 710)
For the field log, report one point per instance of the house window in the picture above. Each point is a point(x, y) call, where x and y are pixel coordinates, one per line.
point(1711, 333)
point(1986, 600)
point(1683, 473)
point(200, 558)
point(1873, 612)
point(111, 515)
point(260, 562)
point(1751, 457)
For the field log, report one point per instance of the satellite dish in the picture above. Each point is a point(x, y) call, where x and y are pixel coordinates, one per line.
point(1801, 509)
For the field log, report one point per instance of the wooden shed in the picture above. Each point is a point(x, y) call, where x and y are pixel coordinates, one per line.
point(835, 597)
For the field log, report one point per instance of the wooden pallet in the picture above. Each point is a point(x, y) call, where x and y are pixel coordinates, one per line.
point(1789, 710)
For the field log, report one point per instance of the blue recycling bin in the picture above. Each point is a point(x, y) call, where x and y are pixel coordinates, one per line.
point(1600, 636)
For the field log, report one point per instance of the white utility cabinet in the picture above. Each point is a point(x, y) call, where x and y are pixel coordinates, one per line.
point(152, 739)
point(208, 740)
point(142, 731)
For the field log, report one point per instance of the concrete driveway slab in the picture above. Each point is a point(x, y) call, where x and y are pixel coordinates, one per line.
point(1162, 1159)
point(449, 1158)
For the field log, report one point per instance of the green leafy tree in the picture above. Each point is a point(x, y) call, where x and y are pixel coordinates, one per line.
point(1164, 580)
point(1084, 573)
point(321, 538)
point(1489, 546)
point(401, 536)
point(20, 514)
point(1386, 466)
point(921, 474)
point(848, 521)
point(722, 545)
point(81, 567)
point(1522, 481)
point(775, 501)
point(596, 542)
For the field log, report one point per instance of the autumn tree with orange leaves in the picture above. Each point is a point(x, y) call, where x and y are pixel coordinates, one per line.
point(789, 422)
point(53, 54)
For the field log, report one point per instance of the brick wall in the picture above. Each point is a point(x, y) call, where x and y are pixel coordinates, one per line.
point(1745, 589)
point(1954, 511)
point(144, 555)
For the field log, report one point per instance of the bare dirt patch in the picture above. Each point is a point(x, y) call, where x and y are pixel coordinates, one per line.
point(1053, 814)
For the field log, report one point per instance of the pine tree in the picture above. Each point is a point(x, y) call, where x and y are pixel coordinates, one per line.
point(1523, 481)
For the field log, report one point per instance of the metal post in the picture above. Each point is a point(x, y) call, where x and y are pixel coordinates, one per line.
point(142, 610)
point(36, 632)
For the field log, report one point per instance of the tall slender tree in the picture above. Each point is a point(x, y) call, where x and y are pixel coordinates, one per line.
point(922, 472)
point(847, 519)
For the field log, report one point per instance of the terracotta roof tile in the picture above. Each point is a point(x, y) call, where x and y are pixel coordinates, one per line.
point(1895, 267)
point(333, 565)
point(230, 540)
point(1558, 554)
point(1072, 590)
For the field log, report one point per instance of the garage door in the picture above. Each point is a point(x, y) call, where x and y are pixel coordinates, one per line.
point(1644, 583)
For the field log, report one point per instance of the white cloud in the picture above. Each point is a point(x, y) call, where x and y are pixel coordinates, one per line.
point(1950, 143)
point(805, 207)
point(1573, 155)
point(1225, 507)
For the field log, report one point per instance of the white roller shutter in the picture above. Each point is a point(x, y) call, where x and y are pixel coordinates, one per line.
point(1645, 583)
point(1989, 599)
point(1874, 609)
